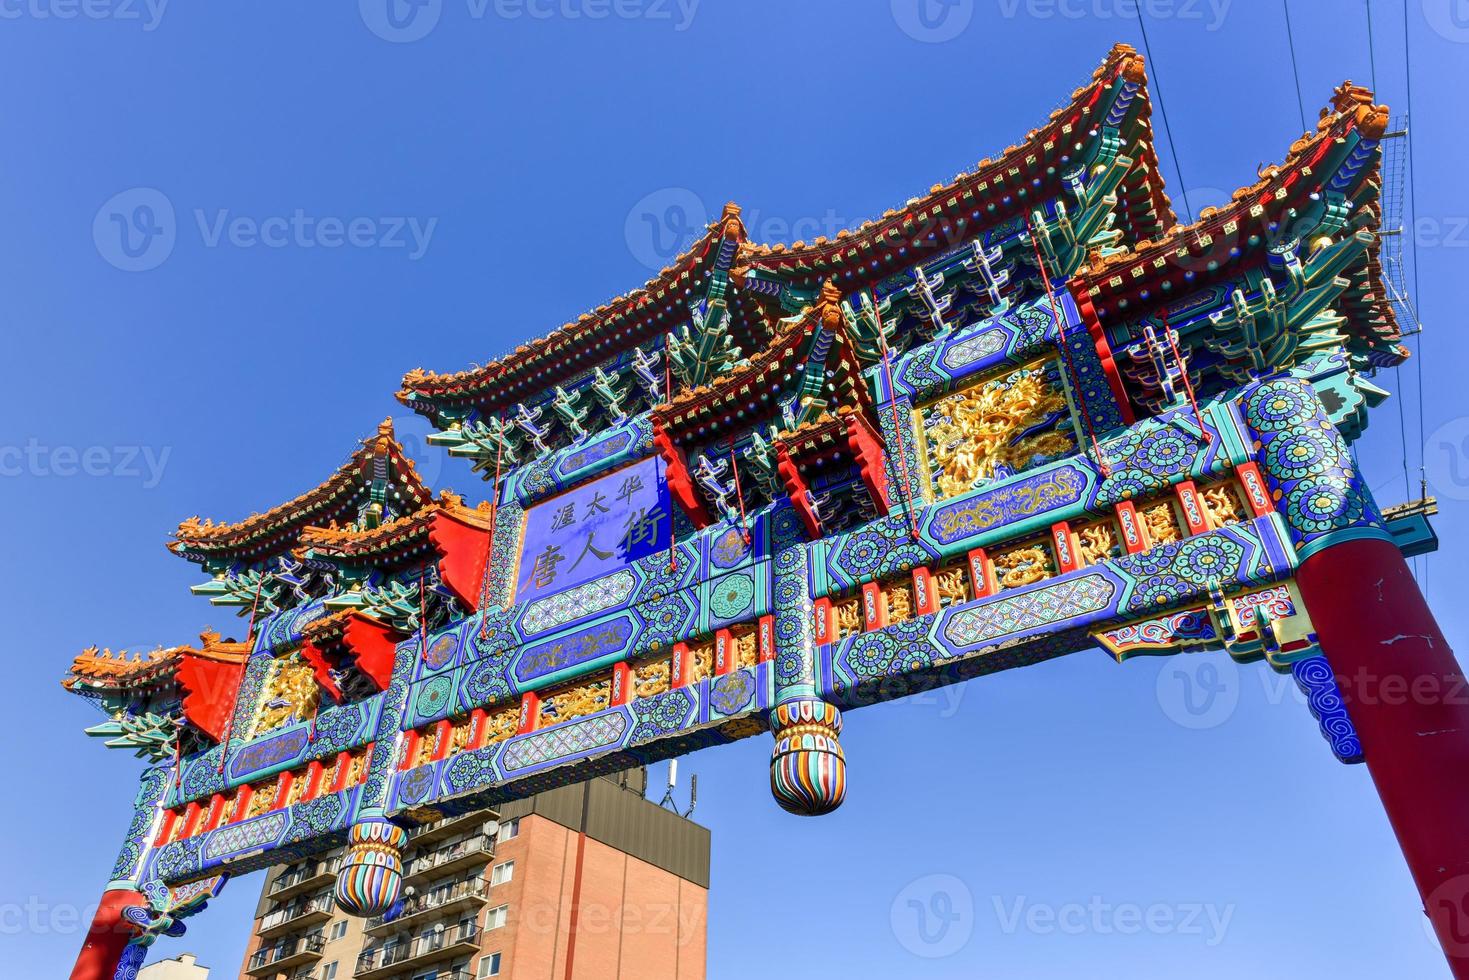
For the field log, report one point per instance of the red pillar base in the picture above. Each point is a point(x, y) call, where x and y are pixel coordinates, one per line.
point(107, 937)
point(1407, 697)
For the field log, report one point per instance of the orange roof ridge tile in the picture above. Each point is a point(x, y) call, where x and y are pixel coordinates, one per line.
point(194, 532)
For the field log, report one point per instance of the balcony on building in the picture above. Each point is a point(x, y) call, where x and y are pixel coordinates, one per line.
point(387, 961)
point(298, 914)
point(427, 834)
point(300, 880)
point(461, 855)
point(282, 955)
point(471, 893)
point(315, 972)
point(462, 973)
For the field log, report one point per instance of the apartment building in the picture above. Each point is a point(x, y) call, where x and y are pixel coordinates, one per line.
point(586, 882)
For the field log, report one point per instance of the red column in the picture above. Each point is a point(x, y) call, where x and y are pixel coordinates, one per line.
point(1406, 695)
point(107, 937)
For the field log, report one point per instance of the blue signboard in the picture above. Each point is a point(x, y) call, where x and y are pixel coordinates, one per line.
point(595, 529)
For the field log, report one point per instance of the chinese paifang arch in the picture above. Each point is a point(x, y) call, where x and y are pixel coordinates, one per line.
point(1024, 414)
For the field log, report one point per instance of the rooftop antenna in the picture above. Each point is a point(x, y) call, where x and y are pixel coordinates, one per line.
point(693, 795)
point(668, 802)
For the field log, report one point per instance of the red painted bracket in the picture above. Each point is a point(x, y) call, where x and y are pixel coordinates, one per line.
point(681, 485)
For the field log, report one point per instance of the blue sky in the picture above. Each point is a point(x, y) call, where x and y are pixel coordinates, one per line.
point(351, 201)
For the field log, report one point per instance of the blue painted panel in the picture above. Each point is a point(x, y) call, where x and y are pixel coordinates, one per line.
point(595, 529)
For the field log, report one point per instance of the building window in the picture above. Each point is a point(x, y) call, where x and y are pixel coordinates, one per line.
point(495, 918)
point(489, 966)
point(508, 830)
point(329, 972)
point(339, 929)
point(502, 873)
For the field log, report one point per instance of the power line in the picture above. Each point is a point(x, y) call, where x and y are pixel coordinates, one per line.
point(1371, 45)
point(1294, 65)
point(1412, 231)
point(1163, 109)
point(1397, 368)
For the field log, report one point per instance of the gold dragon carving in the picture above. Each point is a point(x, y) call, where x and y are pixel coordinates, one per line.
point(1023, 566)
point(653, 677)
point(1224, 504)
point(291, 694)
point(1162, 523)
point(900, 603)
point(978, 430)
point(848, 615)
point(747, 648)
point(500, 725)
point(576, 702)
point(952, 585)
point(1097, 542)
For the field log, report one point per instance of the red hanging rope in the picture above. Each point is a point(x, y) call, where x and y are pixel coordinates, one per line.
point(484, 578)
point(668, 393)
point(887, 366)
point(178, 756)
point(739, 493)
point(422, 611)
point(1086, 415)
point(1188, 385)
point(229, 725)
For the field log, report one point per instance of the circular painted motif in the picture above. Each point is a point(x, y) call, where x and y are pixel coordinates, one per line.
point(434, 695)
point(731, 596)
point(728, 549)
